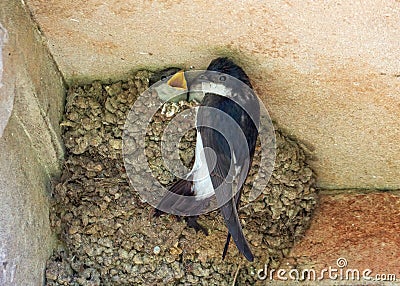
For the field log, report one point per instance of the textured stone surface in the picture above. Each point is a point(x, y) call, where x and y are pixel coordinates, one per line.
point(328, 71)
point(362, 228)
point(30, 149)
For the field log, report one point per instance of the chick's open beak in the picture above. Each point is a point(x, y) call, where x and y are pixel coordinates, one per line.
point(178, 81)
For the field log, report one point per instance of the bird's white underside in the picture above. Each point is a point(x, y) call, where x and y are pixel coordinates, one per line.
point(202, 184)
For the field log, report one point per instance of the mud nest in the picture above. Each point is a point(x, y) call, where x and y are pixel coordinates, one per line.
point(108, 236)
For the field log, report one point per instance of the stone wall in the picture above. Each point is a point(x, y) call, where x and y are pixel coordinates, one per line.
point(30, 148)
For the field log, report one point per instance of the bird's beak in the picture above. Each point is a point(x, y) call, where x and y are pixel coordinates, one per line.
point(178, 81)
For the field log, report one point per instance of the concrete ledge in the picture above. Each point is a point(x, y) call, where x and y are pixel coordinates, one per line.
point(328, 72)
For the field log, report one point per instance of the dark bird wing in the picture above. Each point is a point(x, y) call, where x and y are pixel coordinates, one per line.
point(231, 218)
point(171, 201)
point(242, 178)
point(222, 175)
point(174, 200)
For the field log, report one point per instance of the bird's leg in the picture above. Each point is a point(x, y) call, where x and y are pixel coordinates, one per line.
point(158, 213)
point(191, 221)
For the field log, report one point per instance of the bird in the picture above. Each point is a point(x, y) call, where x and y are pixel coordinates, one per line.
point(229, 111)
point(163, 74)
point(169, 84)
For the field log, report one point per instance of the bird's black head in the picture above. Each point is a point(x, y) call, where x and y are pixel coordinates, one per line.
point(227, 66)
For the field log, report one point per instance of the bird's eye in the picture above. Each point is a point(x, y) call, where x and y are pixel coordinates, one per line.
point(222, 78)
point(163, 78)
point(203, 76)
